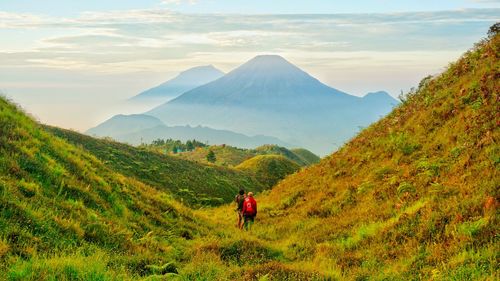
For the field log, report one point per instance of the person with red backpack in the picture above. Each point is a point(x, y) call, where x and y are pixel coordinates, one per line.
point(239, 199)
point(249, 211)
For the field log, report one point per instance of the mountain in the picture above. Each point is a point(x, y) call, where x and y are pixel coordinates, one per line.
point(270, 95)
point(140, 128)
point(185, 81)
point(415, 196)
point(123, 124)
point(380, 99)
point(266, 80)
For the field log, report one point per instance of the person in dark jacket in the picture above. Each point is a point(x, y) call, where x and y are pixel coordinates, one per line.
point(239, 199)
point(249, 211)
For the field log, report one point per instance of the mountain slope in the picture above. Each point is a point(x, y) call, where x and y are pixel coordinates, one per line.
point(269, 95)
point(191, 182)
point(416, 193)
point(306, 156)
point(185, 81)
point(414, 196)
point(65, 215)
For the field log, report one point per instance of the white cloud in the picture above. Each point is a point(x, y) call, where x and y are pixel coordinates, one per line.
point(178, 2)
point(121, 41)
point(21, 20)
point(486, 1)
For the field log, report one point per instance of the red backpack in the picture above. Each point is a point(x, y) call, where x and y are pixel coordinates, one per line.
point(249, 205)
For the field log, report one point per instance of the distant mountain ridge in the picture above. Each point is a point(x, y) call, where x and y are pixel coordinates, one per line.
point(140, 128)
point(123, 124)
point(184, 81)
point(270, 95)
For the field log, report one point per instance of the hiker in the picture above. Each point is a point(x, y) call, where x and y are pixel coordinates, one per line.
point(249, 211)
point(239, 199)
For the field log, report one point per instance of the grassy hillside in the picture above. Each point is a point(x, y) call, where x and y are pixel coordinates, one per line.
point(306, 156)
point(414, 196)
point(191, 182)
point(309, 159)
point(269, 169)
point(230, 156)
point(64, 215)
point(227, 156)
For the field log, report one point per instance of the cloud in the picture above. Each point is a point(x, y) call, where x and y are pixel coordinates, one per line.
point(142, 40)
point(21, 20)
point(93, 40)
point(128, 16)
point(486, 1)
point(178, 2)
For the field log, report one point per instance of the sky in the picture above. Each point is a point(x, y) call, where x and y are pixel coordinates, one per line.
point(73, 63)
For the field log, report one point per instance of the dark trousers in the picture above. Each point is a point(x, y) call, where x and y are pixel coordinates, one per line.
point(248, 221)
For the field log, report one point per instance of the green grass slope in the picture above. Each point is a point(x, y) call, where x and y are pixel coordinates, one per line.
point(413, 197)
point(291, 155)
point(307, 156)
point(226, 156)
point(191, 182)
point(64, 215)
point(269, 169)
point(229, 156)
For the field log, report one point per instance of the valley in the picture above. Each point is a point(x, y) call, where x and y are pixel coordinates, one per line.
point(412, 196)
